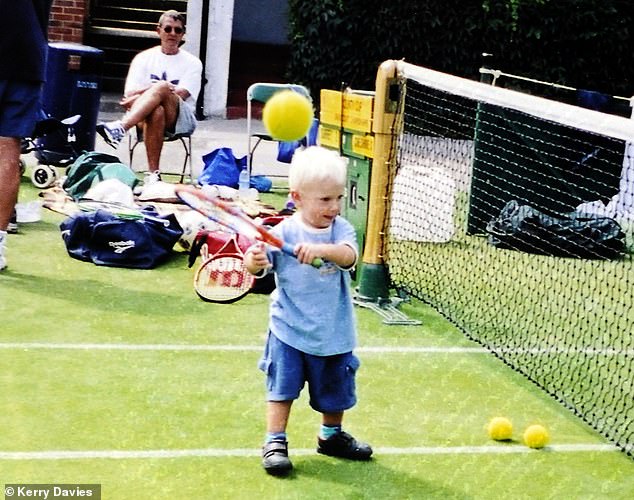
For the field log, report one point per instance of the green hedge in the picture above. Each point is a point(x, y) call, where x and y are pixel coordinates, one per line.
point(579, 43)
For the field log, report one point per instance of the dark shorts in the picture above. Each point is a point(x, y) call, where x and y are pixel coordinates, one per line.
point(331, 379)
point(19, 108)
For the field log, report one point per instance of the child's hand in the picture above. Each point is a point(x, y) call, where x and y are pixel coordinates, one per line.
point(256, 259)
point(307, 252)
point(341, 254)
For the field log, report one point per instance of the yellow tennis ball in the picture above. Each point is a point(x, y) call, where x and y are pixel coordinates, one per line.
point(500, 429)
point(536, 436)
point(287, 116)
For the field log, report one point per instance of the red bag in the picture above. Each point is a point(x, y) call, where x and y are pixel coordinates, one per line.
point(208, 243)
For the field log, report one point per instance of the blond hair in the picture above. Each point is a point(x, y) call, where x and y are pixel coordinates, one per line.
point(316, 164)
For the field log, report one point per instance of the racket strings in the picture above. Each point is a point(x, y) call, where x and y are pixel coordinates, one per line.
point(223, 278)
point(227, 218)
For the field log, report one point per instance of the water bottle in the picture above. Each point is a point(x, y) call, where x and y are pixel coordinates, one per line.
point(290, 204)
point(244, 182)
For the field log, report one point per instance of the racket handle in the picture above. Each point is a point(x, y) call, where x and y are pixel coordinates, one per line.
point(317, 262)
point(289, 250)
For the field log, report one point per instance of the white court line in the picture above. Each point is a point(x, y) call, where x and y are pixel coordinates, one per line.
point(205, 347)
point(249, 453)
point(366, 349)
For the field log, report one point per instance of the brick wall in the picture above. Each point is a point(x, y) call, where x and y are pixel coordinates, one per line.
point(67, 20)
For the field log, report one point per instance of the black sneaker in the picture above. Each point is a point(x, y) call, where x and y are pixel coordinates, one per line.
point(343, 445)
point(275, 458)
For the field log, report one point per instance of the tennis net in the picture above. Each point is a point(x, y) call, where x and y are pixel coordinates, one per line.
point(512, 215)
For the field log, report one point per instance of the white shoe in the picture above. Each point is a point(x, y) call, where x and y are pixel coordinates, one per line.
point(151, 178)
point(12, 226)
point(3, 260)
point(112, 132)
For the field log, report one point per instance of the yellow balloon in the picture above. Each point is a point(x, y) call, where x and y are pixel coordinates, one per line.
point(287, 116)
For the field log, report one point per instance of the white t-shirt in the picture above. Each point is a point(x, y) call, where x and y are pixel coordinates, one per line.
point(182, 69)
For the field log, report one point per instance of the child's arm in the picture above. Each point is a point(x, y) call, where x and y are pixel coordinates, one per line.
point(341, 254)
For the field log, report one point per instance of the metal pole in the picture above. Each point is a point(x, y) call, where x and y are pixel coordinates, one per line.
point(204, 24)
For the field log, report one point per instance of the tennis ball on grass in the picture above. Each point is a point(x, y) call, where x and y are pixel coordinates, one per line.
point(287, 116)
point(536, 436)
point(500, 429)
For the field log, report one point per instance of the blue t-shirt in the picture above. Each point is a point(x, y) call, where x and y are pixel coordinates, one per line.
point(311, 309)
point(23, 43)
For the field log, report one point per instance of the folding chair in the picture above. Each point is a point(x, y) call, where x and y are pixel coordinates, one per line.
point(185, 140)
point(261, 93)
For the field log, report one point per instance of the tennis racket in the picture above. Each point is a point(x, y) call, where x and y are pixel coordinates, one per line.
point(119, 210)
point(233, 218)
point(223, 277)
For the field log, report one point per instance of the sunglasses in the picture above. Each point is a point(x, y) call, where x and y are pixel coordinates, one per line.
point(177, 29)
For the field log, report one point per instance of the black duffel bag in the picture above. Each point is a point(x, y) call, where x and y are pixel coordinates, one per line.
point(526, 229)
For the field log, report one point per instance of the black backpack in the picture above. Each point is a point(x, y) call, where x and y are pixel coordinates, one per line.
point(524, 228)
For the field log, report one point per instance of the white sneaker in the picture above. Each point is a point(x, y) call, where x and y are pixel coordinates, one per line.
point(151, 178)
point(3, 260)
point(112, 132)
point(12, 227)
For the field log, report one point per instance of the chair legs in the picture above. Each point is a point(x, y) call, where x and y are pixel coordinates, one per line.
point(187, 162)
point(187, 168)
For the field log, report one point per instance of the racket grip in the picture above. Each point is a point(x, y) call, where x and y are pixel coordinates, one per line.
point(317, 262)
point(289, 250)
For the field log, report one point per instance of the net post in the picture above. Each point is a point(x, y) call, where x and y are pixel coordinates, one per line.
point(374, 280)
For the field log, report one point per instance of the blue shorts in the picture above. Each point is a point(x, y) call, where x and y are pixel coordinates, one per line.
point(331, 379)
point(20, 107)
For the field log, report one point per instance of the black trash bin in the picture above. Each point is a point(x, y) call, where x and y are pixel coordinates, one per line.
point(73, 87)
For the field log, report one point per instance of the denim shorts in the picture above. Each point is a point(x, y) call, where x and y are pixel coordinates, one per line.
point(331, 379)
point(20, 106)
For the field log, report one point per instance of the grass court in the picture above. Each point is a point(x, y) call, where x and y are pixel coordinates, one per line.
point(127, 379)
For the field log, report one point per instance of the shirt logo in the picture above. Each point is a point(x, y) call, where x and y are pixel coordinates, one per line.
point(163, 77)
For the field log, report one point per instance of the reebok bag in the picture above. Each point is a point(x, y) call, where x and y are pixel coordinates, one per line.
point(105, 240)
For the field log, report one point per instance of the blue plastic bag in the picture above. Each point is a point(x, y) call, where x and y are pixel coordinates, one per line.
point(222, 168)
point(260, 182)
point(286, 150)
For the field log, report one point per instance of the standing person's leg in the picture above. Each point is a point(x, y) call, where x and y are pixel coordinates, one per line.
point(282, 365)
point(275, 451)
point(9, 185)
point(19, 107)
point(277, 414)
point(332, 386)
point(9, 178)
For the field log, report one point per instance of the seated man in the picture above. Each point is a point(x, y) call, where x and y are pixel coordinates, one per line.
point(160, 93)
